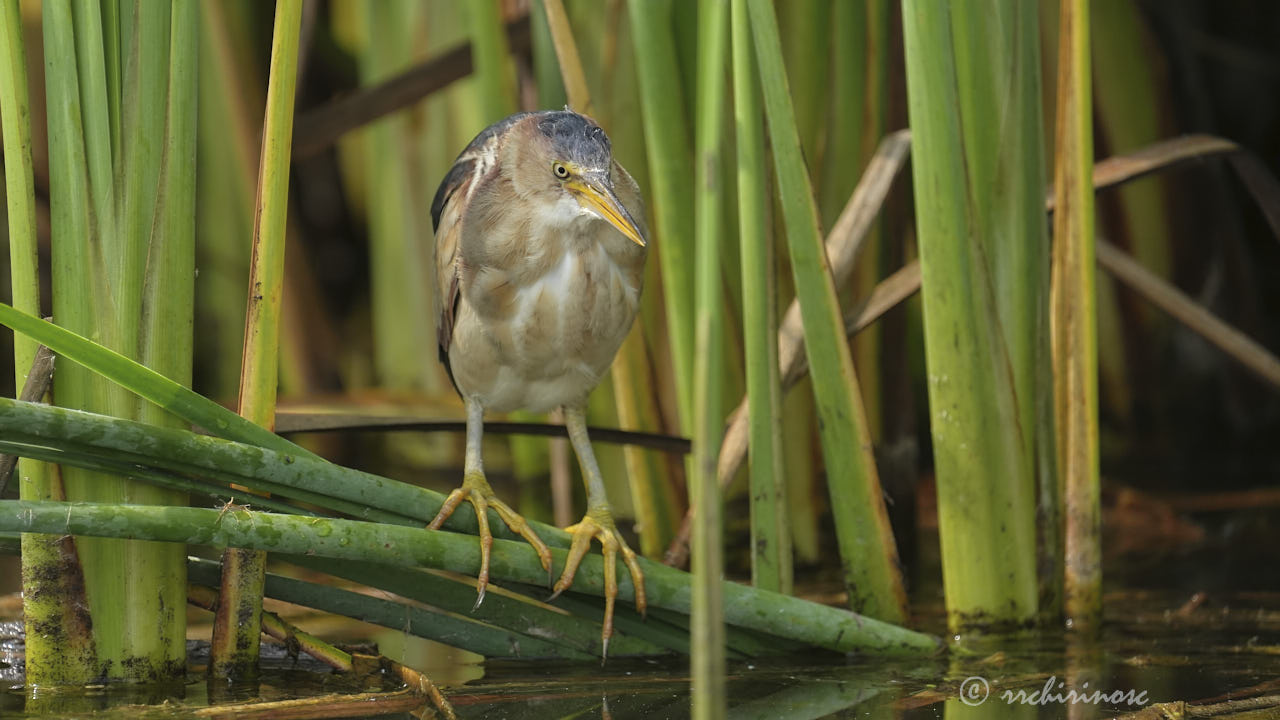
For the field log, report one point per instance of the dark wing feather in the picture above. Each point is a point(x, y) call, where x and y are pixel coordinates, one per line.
point(446, 218)
point(464, 166)
point(447, 212)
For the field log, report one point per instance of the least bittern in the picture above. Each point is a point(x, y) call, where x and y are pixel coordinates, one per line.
point(540, 249)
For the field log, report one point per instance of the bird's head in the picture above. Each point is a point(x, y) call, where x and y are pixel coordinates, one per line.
point(566, 157)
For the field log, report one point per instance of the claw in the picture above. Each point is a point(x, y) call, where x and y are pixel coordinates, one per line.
point(599, 525)
point(475, 489)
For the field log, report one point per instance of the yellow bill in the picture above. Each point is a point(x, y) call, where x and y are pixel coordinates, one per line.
point(601, 199)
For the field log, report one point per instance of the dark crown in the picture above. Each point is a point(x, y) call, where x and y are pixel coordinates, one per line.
point(576, 138)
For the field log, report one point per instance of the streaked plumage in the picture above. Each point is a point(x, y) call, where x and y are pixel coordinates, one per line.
point(538, 321)
point(539, 273)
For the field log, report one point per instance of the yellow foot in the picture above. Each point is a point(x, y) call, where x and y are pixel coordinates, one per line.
point(598, 524)
point(476, 490)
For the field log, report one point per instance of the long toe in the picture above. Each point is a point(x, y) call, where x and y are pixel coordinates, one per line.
point(637, 576)
point(476, 490)
point(516, 522)
point(611, 542)
point(477, 497)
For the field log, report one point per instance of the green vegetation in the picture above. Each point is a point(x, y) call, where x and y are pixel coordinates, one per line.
point(983, 246)
point(234, 198)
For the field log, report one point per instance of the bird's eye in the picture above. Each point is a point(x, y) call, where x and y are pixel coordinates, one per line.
point(561, 171)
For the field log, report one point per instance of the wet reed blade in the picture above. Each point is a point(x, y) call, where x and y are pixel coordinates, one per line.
point(166, 332)
point(457, 630)
point(512, 562)
point(856, 121)
point(237, 626)
point(805, 27)
point(867, 550)
point(121, 218)
point(495, 85)
point(707, 633)
point(1127, 106)
point(500, 609)
point(666, 131)
point(980, 220)
point(227, 159)
point(1075, 333)
point(568, 76)
point(547, 84)
point(399, 284)
point(770, 536)
point(51, 581)
point(27, 428)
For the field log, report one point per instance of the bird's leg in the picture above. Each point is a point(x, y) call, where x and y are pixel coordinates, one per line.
point(598, 523)
point(475, 488)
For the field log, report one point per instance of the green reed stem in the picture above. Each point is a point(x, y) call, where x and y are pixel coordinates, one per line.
point(981, 236)
point(511, 562)
point(770, 537)
point(237, 627)
point(867, 549)
point(65, 655)
point(1075, 332)
point(494, 83)
point(666, 132)
point(708, 658)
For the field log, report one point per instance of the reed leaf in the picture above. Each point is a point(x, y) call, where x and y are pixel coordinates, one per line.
point(399, 284)
point(29, 425)
point(101, 148)
point(546, 68)
point(770, 537)
point(708, 659)
point(166, 336)
point(165, 330)
point(145, 382)
point(425, 622)
point(500, 608)
point(109, 129)
point(981, 426)
point(671, 187)
point(145, 89)
point(511, 561)
point(805, 28)
point(850, 111)
point(259, 371)
point(227, 165)
point(237, 627)
point(1075, 333)
point(59, 648)
point(77, 277)
point(568, 77)
point(20, 200)
point(1130, 108)
point(855, 121)
point(494, 83)
point(867, 550)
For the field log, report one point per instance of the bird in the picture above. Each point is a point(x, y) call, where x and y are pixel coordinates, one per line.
point(540, 245)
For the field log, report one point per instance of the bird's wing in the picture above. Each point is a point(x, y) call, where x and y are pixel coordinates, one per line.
point(452, 199)
point(446, 216)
